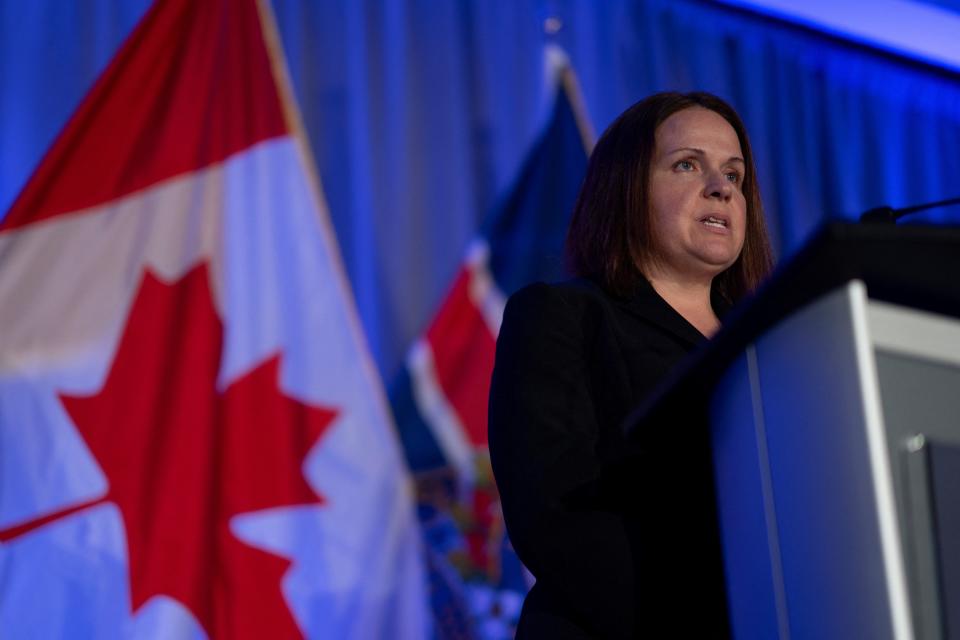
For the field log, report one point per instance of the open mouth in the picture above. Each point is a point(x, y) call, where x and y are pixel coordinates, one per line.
point(714, 221)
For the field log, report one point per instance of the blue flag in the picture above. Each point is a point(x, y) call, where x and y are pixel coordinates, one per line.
point(440, 398)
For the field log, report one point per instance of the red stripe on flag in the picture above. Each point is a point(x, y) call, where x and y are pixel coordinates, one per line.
point(6, 535)
point(158, 109)
point(463, 352)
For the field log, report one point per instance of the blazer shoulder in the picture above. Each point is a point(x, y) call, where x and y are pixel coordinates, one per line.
point(570, 315)
point(569, 295)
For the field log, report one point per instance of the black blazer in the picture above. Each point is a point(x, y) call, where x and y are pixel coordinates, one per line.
point(622, 540)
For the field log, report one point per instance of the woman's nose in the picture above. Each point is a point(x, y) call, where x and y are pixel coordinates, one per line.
point(718, 186)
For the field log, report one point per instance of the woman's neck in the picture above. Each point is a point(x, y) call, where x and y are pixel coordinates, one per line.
point(691, 299)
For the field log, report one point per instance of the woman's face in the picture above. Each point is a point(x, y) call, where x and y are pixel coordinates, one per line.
point(696, 196)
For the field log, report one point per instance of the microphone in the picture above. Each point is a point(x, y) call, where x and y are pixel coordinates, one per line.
point(889, 215)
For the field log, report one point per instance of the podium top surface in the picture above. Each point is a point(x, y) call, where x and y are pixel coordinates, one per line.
point(913, 266)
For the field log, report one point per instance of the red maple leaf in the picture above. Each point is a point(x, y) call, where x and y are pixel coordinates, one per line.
point(182, 460)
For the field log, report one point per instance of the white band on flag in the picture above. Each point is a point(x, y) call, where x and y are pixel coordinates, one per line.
point(484, 293)
point(437, 412)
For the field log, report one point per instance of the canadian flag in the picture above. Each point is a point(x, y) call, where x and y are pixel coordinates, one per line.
point(193, 439)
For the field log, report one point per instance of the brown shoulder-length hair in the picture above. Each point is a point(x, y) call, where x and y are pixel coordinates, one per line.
point(611, 234)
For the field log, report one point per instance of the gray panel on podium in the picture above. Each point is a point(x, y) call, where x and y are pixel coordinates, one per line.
point(945, 487)
point(829, 526)
point(918, 368)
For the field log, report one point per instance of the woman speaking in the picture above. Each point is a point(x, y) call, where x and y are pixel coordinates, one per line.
point(667, 234)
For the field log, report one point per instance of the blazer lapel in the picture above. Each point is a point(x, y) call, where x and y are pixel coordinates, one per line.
point(649, 306)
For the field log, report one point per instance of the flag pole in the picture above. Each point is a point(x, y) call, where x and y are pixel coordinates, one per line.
point(298, 131)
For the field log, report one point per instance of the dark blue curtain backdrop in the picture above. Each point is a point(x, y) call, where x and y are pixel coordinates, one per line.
point(420, 114)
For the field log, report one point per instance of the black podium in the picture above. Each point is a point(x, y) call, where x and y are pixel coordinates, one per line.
point(832, 400)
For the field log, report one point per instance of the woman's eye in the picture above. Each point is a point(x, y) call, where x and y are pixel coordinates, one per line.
point(684, 165)
point(733, 177)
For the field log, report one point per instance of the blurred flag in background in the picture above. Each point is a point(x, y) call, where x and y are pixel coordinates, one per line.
point(440, 397)
point(193, 439)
